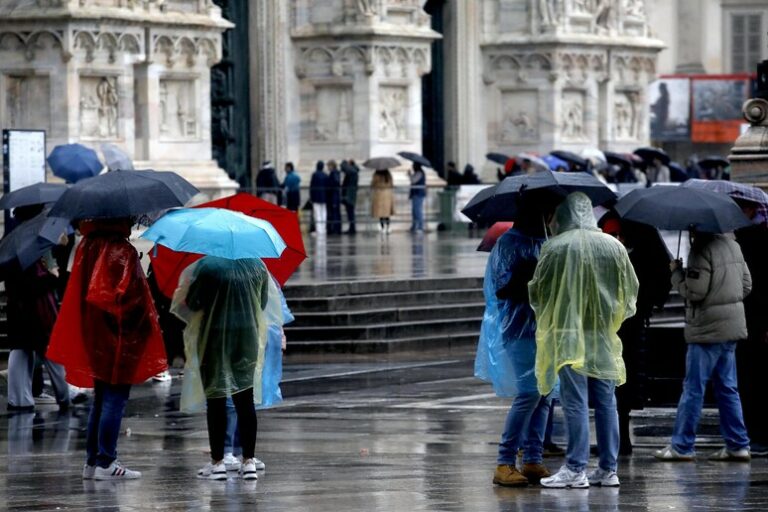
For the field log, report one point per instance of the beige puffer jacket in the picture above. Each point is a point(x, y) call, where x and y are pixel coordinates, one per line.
point(714, 285)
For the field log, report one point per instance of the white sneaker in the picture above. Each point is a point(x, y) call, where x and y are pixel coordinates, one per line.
point(259, 464)
point(162, 377)
point(566, 478)
point(45, 399)
point(248, 470)
point(88, 472)
point(231, 462)
point(213, 471)
point(115, 471)
point(603, 478)
point(727, 455)
point(670, 454)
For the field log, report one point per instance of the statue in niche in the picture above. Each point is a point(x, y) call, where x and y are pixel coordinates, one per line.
point(367, 7)
point(392, 115)
point(518, 126)
point(548, 13)
point(163, 100)
point(573, 120)
point(634, 8)
point(106, 92)
point(603, 13)
point(622, 114)
point(344, 129)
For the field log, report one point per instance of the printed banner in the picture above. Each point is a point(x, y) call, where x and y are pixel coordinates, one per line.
point(717, 103)
point(670, 101)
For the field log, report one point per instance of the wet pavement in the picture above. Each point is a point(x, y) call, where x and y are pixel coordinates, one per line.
point(406, 434)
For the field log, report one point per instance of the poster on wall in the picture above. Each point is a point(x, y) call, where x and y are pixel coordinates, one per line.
point(670, 106)
point(717, 102)
point(23, 158)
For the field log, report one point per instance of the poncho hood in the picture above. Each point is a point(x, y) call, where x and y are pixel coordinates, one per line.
point(574, 213)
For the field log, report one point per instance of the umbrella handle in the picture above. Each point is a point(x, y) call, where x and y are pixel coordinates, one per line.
point(679, 238)
point(544, 223)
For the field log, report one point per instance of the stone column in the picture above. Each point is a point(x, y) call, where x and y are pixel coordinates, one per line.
point(690, 37)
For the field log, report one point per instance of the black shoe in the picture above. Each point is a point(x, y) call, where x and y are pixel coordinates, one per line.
point(552, 450)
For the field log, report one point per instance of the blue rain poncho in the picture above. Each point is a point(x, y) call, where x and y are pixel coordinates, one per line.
point(583, 290)
point(506, 351)
point(273, 359)
point(227, 306)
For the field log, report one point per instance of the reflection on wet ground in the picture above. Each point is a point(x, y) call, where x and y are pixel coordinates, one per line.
point(419, 435)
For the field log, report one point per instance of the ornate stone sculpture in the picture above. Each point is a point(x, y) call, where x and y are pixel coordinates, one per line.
point(548, 13)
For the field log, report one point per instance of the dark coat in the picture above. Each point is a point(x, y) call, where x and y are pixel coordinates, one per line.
point(318, 186)
point(267, 183)
point(753, 241)
point(32, 308)
point(418, 185)
point(349, 184)
point(334, 187)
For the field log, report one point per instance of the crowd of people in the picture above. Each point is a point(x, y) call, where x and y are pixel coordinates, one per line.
point(566, 320)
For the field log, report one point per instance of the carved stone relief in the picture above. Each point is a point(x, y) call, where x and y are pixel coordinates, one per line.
point(549, 14)
point(634, 8)
point(627, 115)
point(520, 116)
point(178, 109)
point(334, 122)
point(98, 107)
point(573, 116)
point(27, 102)
point(393, 108)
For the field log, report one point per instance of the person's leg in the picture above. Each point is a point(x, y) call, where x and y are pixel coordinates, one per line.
point(550, 424)
point(322, 219)
point(419, 213)
point(21, 364)
point(728, 402)
point(246, 421)
point(216, 416)
point(114, 400)
point(58, 382)
point(94, 418)
point(537, 425)
point(573, 398)
point(350, 217)
point(699, 364)
point(515, 426)
point(229, 439)
point(602, 393)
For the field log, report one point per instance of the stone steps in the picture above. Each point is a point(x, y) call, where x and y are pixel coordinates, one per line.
point(388, 315)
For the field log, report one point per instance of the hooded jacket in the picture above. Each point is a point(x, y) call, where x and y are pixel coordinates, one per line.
point(714, 286)
point(583, 289)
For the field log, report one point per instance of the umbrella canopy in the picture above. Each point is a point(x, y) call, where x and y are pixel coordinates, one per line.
point(571, 158)
point(594, 155)
point(538, 163)
point(649, 154)
point(677, 172)
point(548, 188)
point(39, 193)
point(167, 265)
point(555, 163)
point(499, 158)
point(216, 232)
point(618, 159)
point(29, 241)
point(415, 158)
point(116, 158)
point(738, 191)
point(493, 234)
point(119, 194)
point(678, 208)
point(74, 162)
point(381, 163)
point(711, 162)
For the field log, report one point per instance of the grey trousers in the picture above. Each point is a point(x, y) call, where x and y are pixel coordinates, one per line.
point(21, 365)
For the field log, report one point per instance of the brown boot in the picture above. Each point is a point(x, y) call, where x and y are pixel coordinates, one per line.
point(508, 476)
point(535, 472)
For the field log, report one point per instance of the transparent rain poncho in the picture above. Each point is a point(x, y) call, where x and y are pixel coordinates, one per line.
point(506, 351)
point(273, 359)
point(227, 306)
point(583, 289)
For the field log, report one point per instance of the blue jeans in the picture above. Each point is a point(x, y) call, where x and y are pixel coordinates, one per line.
point(705, 361)
point(232, 439)
point(575, 391)
point(525, 426)
point(417, 212)
point(109, 402)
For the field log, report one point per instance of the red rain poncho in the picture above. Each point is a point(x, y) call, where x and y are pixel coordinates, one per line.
point(108, 327)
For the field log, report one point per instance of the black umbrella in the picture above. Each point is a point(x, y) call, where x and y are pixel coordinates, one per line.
point(39, 193)
point(677, 173)
point(678, 208)
point(28, 242)
point(119, 194)
point(711, 162)
point(381, 163)
point(499, 158)
point(618, 159)
point(649, 154)
point(476, 205)
point(415, 158)
point(545, 188)
point(571, 158)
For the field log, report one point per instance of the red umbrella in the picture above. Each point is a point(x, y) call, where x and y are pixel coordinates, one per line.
point(493, 234)
point(167, 265)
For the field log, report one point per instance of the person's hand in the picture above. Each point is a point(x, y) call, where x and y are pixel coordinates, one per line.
point(284, 343)
point(674, 265)
point(63, 239)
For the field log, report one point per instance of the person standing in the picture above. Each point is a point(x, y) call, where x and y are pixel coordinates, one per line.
point(107, 336)
point(292, 186)
point(333, 203)
point(583, 289)
point(226, 306)
point(506, 351)
point(318, 187)
point(417, 194)
point(349, 192)
point(267, 185)
point(382, 198)
point(714, 286)
point(658, 172)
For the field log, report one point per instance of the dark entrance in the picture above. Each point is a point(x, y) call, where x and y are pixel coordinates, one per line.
point(230, 99)
point(433, 94)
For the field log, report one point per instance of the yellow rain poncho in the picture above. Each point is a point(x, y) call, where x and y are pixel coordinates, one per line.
point(227, 306)
point(583, 289)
